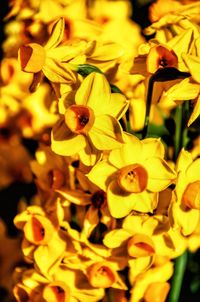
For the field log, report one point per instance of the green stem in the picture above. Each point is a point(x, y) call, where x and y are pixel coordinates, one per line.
point(179, 270)
point(178, 131)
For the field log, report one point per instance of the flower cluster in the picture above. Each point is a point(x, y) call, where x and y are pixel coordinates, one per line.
point(115, 202)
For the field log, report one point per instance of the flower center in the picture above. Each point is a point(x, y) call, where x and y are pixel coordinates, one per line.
point(98, 199)
point(133, 178)
point(101, 275)
point(56, 179)
point(79, 118)
point(56, 292)
point(191, 195)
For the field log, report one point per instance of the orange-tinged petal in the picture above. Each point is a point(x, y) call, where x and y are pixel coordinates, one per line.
point(157, 292)
point(45, 256)
point(140, 245)
point(160, 57)
point(191, 195)
point(38, 230)
point(79, 118)
point(31, 57)
point(160, 175)
point(106, 133)
point(56, 291)
point(101, 274)
point(132, 178)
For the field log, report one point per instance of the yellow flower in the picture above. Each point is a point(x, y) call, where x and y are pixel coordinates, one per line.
point(43, 242)
point(50, 59)
point(90, 125)
point(184, 209)
point(161, 7)
point(151, 285)
point(133, 176)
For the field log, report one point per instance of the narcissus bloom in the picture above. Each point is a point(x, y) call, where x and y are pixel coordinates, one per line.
point(90, 124)
point(133, 176)
point(184, 209)
point(152, 285)
point(50, 60)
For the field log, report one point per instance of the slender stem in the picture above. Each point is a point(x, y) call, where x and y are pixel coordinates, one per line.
point(179, 270)
point(178, 132)
point(148, 106)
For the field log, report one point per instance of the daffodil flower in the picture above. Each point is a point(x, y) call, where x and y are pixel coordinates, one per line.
point(49, 59)
point(184, 209)
point(90, 125)
point(152, 282)
point(133, 176)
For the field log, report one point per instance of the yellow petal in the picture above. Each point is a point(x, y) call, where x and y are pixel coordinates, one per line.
point(129, 153)
point(117, 105)
point(94, 92)
point(138, 266)
point(107, 52)
point(140, 245)
point(183, 161)
point(186, 220)
point(64, 142)
point(101, 174)
point(38, 230)
point(101, 274)
point(31, 57)
point(160, 175)
point(152, 147)
point(89, 155)
point(157, 292)
point(193, 64)
point(116, 238)
point(56, 34)
point(182, 91)
point(193, 171)
point(121, 203)
point(195, 113)
point(181, 43)
point(58, 72)
point(106, 133)
point(56, 291)
point(47, 255)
